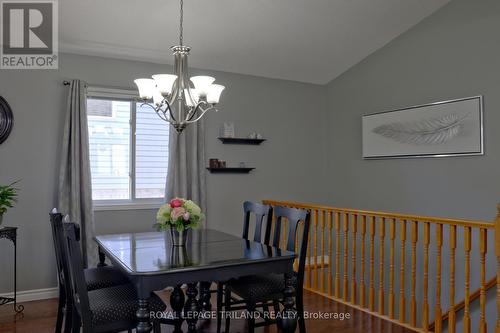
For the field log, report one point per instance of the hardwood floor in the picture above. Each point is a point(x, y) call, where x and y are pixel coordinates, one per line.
point(40, 316)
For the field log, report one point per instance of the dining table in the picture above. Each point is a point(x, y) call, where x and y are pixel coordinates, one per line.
point(152, 262)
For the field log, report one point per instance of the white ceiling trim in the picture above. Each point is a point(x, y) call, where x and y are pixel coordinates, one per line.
point(115, 51)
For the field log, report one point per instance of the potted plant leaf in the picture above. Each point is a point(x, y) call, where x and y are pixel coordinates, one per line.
point(8, 196)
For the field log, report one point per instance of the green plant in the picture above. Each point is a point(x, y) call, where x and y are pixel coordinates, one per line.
point(8, 196)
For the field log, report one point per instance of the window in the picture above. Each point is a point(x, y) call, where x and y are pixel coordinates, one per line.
point(126, 169)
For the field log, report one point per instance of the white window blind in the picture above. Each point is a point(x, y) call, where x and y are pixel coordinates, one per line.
point(126, 168)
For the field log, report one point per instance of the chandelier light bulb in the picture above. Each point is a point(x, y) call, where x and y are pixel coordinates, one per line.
point(157, 97)
point(146, 88)
point(164, 83)
point(214, 92)
point(202, 83)
point(192, 97)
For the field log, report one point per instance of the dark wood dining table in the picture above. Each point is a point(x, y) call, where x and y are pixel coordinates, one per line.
point(152, 263)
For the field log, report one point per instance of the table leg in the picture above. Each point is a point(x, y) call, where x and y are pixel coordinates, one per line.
point(205, 296)
point(142, 315)
point(177, 303)
point(191, 308)
point(288, 321)
point(102, 257)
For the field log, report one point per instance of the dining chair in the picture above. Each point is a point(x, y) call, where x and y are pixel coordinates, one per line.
point(262, 291)
point(111, 309)
point(262, 214)
point(95, 278)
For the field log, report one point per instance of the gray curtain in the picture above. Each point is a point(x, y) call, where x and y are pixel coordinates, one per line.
point(186, 165)
point(75, 185)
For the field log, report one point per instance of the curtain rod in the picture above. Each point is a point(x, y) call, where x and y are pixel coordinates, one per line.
point(66, 83)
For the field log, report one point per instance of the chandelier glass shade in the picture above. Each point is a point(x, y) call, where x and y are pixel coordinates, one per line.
point(176, 98)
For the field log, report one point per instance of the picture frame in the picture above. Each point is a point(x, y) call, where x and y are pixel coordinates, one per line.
point(439, 129)
point(6, 120)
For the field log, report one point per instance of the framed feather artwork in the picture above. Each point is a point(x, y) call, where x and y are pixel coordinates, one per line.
point(448, 128)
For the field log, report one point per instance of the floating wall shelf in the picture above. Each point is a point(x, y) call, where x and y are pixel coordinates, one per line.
point(241, 141)
point(230, 170)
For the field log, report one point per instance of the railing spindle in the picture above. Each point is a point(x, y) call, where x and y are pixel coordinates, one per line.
point(346, 257)
point(322, 275)
point(362, 290)
point(284, 233)
point(402, 299)
point(316, 275)
point(451, 312)
point(309, 260)
point(392, 236)
point(425, 305)
point(413, 286)
point(337, 255)
point(353, 258)
point(300, 229)
point(467, 249)
point(438, 315)
point(371, 291)
point(497, 254)
point(381, 303)
point(482, 259)
point(330, 253)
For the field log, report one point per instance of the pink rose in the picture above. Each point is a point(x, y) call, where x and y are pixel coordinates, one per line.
point(177, 212)
point(174, 203)
point(186, 216)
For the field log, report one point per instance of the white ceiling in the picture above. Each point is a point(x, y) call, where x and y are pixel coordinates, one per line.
point(302, 40)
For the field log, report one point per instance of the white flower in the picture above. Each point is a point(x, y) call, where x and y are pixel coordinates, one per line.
point(192, 207)
point(163, 214)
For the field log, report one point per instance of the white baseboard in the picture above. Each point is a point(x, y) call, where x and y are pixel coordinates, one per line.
point(34, 295)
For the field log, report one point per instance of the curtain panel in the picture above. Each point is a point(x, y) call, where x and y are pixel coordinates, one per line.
point(186, 176)
point(75, 184)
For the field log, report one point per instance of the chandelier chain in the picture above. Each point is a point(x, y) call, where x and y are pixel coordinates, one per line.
point(181, 23)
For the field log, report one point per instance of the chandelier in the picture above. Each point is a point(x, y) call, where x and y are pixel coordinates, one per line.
point(176, 98)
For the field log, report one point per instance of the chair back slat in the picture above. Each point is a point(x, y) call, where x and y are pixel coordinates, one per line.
point(76, 272)
point(260, 212)
point(56, 220)
point(294, 217)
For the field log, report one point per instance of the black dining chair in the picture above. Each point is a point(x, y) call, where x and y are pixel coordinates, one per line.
point(111, 309)
point(262, 291)
point(263, 214)
point(95, 278)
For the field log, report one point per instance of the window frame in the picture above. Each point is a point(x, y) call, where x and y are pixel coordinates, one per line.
point(133, 203)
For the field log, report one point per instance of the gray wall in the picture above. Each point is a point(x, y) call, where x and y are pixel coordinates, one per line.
point(453, 53)
point(278, 109)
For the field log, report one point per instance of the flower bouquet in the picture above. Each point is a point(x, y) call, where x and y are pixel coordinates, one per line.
point(178, 216)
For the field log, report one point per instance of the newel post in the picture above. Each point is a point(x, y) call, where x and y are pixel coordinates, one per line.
point(497, 253)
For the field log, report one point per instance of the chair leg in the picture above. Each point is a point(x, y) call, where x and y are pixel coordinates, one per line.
point(220, 294)
point(276, 306)
point(251, 318)
point(227, 307)
point(265, 310)
point(156, 327)
point(76, 322)
point(60, 310)
point(300, 311)
point(68, 318)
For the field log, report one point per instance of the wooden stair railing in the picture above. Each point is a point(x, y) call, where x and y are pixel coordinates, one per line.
point(473, 297)
point(344, 260)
